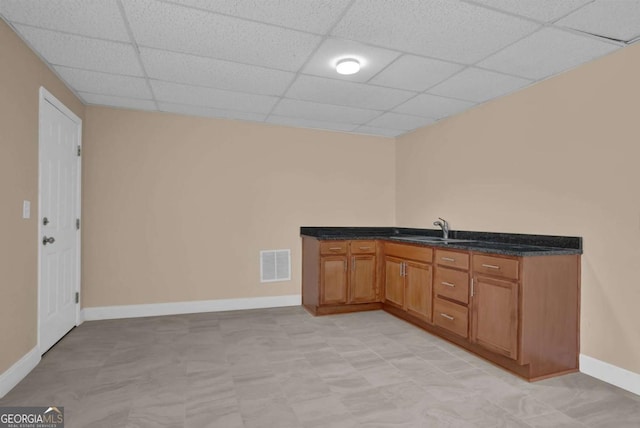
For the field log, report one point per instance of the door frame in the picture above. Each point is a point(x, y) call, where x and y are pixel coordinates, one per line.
point(47, 97)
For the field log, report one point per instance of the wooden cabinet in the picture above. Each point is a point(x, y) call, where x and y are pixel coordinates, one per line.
point(452, 284)
point(409, 279)
point(362, 281)
point(521, 313)
point(339, 276)
point(494, 311)
point(394, 281)
point(496, 266)
point(333, 277)
point(451, 289)
point(451, 316)
point(495, 305)
point(418, 289)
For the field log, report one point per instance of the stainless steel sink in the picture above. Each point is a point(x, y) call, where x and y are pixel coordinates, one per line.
point(431, 239)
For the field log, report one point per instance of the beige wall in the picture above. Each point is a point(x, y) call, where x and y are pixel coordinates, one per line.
point(560, 157)
point(177, 208)
point(21, 75)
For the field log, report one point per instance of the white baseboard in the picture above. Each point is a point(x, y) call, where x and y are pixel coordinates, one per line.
point(609, 373)
point(174, 308)
point(18, 371)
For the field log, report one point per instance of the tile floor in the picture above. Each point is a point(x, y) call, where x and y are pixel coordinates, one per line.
point(281, 368)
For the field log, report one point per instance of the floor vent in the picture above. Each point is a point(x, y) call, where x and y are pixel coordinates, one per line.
point(275, 265)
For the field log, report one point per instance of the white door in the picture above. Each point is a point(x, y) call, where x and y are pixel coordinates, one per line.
point(58, 240)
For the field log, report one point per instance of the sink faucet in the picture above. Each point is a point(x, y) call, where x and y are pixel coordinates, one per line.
point(442, 223)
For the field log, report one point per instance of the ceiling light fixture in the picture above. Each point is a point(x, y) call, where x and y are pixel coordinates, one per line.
point(348, 66)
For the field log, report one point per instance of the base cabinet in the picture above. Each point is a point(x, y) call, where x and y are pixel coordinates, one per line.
point(521, 313)
point(409, 279)
point(363, 279)
point(339, 276)
point(451, 290)
point(451, 316)
point(333, 277)
point(394, 281)
point(494, 322)
point(418, 290)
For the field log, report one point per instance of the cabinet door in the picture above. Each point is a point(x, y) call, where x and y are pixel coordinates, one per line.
point(419, 288)
point(495, 315)
point(333, 280)
point(394, 282)
point(363, 279)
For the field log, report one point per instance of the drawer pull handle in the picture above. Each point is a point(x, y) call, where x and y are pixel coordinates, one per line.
point(449, 317)
point(448, 284)
point(490, 266)
point(365, 248)
point(448, 259)
point(335, 248)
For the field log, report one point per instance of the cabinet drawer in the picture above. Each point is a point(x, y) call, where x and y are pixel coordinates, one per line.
point(454, 318)
point(363, 247)
point(333, 247)
point(453, 284)
point(452, 259)
point(411, 252)
point(496, 266)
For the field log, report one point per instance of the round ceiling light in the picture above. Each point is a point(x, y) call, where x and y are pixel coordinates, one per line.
point(348, 66)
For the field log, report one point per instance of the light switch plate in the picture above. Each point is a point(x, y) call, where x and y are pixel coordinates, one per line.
point(26, 209)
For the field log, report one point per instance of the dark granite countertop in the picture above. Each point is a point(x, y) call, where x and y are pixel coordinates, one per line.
point(511, 244)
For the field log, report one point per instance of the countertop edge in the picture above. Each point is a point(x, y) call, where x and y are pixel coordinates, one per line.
point(535, 251)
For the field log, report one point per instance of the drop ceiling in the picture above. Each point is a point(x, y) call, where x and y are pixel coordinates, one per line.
point(273, 60)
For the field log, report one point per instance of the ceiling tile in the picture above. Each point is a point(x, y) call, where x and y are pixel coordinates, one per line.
point(331, 91)
point(103, 83)
point(540, 10)
point(93, 18)
point(433, 106)
point(306, 123)
point(315, 16)
point(400, 121)
point(82, 52)
point(478, 85)
point(380, 132)
point(454, 31)
point(415, 73)
point(547, 52)
point(106, 100)
point(203, 33)
point(323, 112)
point(210, 97)
point(618, 19)
point(210, 112)
point(372, 59)
point(202, 71)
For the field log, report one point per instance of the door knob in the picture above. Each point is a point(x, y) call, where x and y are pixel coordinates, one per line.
point(49, 240)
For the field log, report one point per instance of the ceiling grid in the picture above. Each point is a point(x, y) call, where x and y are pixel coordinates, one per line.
point(273, 61)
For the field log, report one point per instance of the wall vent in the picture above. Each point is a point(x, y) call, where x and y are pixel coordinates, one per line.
point(275, 265)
